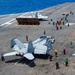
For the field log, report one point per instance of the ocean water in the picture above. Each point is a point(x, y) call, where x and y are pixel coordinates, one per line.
point(19, 6)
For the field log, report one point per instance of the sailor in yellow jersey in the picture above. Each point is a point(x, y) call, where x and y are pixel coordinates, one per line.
point(56, 52)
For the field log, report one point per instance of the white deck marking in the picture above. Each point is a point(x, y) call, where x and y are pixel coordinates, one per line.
point(12, 21)
point(8, 23)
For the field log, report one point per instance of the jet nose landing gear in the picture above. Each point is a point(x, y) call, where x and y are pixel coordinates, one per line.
point(2, 57)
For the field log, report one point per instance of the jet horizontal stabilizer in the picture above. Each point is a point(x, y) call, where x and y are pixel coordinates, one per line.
point(29, 56)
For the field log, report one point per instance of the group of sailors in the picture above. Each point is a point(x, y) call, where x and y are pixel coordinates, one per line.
point(61, 21)
point(56, 55)
point(58, 26)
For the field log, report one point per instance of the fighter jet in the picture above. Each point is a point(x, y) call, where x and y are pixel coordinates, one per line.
point(40, 16)
point(40, 46)
point(35, 15)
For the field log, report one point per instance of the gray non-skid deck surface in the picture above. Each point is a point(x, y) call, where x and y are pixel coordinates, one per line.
point(43, 66)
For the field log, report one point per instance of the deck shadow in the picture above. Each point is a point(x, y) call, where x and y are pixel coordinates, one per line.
point(23, 61)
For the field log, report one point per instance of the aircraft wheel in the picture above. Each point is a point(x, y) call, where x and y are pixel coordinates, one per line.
point(17, 54)
point(2, 57)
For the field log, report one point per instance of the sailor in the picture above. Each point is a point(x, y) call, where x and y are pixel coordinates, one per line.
point(70, 12)
point(53, 23)
point(51, 19)
point(51, 56)
point(66, 62)
point(64, 50)
point(57, 65)
point(68, 25)
point(27, 37)
point(63, 22)
point(57, 27)
point(44, 32)
point(56, 52)
point(71, 44)
point(58, 22)
point(60, 26)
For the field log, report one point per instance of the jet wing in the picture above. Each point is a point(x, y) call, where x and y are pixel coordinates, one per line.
point(10, 54)
point(41, 41)
point(29, 56)
point(40, 49)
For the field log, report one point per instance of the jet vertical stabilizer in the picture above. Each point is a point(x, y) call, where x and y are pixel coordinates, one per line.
point(17, 42)
point(49, 45)
point(30, 47)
